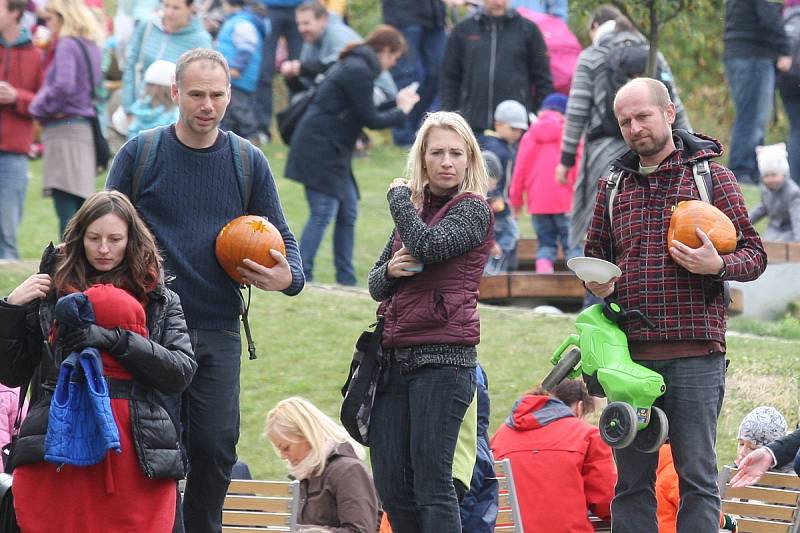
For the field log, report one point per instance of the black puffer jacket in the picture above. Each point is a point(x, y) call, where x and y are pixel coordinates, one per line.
point(163, 366)
point(754, 28)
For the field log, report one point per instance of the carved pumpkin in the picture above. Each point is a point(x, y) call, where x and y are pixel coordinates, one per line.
point(691, 214)
point(247, 237)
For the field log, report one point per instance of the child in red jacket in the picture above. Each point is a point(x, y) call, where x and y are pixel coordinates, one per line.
point(549, 201)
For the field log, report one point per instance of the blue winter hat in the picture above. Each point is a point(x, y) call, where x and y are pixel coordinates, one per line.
point(556, 102)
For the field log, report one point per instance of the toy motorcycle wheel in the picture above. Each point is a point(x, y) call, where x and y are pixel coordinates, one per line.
point(562, 369)
point(650, 439)
point(618, 424)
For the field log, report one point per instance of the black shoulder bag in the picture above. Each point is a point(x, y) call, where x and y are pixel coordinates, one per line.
point(102, 151)
point(362, 383)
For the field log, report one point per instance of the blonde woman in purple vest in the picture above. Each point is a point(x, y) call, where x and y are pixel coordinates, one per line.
point(427, 282)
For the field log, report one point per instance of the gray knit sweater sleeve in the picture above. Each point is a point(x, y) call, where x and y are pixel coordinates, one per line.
point(463, 227)
point(381, 287)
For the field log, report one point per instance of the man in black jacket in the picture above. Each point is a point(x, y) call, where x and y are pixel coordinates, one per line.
point(422, 24)
point(755, 44)
point(774, 455)
point(491, 56)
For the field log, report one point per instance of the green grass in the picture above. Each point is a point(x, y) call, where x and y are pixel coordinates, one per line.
point(305, 343)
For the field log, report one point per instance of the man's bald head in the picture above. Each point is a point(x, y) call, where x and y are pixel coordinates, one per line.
point(658, 93)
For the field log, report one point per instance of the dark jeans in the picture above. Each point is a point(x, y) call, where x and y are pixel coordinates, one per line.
point(240, 117)
point(791, 104)
point(752, 82)
point(211, 427)
point(550, 231)
point(322, 209)
point(66, 205)
point(420, 63)
point(695, 389)
point(413, 432)
point(283, 24)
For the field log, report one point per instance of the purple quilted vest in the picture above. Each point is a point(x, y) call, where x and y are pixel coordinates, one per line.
point(440, 304)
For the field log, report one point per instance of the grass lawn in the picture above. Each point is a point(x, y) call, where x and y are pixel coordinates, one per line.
point(305, 343)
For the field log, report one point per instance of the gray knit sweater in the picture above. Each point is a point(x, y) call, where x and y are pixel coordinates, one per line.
point(463, 228)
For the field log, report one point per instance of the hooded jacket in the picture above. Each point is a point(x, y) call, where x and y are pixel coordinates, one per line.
point(342, 497)
point(491, 59)
point(162, 365)
point(561, 461)
point(683, 306)
point(534, 170)
point(21, 67)
point(151, 41)
point(782, 206)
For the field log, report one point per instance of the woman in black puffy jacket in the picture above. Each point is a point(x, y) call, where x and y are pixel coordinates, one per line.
point(147, 361)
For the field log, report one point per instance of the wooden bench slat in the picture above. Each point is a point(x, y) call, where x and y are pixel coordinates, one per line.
point(236, 529)
point(760, 510)
point(260, 487)
point(777, 479)
point(249, 518)
point(750, 525)
point(269, 504)
point(765, 494)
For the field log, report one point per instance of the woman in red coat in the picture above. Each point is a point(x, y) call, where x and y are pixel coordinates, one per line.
point(563, 471)
point(139, 330)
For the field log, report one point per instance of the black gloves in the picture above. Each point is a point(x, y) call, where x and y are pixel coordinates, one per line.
point(114, 341)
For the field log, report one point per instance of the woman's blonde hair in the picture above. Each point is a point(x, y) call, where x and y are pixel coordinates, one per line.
point(296, 418)
point(476, 177)
point(77, 20)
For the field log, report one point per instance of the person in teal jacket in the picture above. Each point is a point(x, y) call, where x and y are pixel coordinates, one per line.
point(173, 31)
point(240, 40)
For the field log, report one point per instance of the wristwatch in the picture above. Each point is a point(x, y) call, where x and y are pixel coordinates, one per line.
point(721, 274)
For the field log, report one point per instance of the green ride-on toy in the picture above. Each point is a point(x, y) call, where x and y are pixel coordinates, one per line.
point(599, 352)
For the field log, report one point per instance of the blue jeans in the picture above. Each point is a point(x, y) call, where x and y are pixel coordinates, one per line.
point(322, 209)
point(283, 24)
point(421, 63)
point(506, 235)
point(550, 231)
point(695, 389)
point(413, 431)
point(211, 427)
point(791, 104)
point(13, 186)
point(752, 82)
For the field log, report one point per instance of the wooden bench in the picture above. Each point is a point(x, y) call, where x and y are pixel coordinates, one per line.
point(256, 506)
point(508, 515)
point(771, 506)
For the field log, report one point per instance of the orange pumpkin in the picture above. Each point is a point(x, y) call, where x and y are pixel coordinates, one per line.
point(247, 237)
point(691, 214)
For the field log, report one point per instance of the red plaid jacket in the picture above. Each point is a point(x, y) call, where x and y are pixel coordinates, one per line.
point(682, 305)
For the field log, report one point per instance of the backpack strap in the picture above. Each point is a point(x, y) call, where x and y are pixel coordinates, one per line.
point(701, 171)
point(612, 187)
point(243, 161)
point(146, 150)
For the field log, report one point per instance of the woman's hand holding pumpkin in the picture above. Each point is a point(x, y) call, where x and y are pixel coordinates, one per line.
point(35, 287)
point(704, 260)
point(274, 278)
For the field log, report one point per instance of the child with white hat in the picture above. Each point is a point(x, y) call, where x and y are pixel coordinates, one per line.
point(155, 106)
point(780, 195)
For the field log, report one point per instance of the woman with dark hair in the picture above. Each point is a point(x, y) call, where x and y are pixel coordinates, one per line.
point(323, 143)
point(566, 468)
point(109, 260)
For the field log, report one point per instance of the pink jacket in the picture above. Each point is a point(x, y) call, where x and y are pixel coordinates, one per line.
point(534, 169)
point(9, 405)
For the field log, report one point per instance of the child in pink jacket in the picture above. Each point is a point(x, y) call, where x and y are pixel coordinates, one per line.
point(549, 202)
point(9, 405)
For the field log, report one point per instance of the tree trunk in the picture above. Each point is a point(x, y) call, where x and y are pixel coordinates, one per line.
point(655, 30)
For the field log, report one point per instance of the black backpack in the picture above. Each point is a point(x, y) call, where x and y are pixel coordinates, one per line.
point(625, 61)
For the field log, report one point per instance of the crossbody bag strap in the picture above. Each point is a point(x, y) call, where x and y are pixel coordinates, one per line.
point(612, 187)
point(85, 53)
